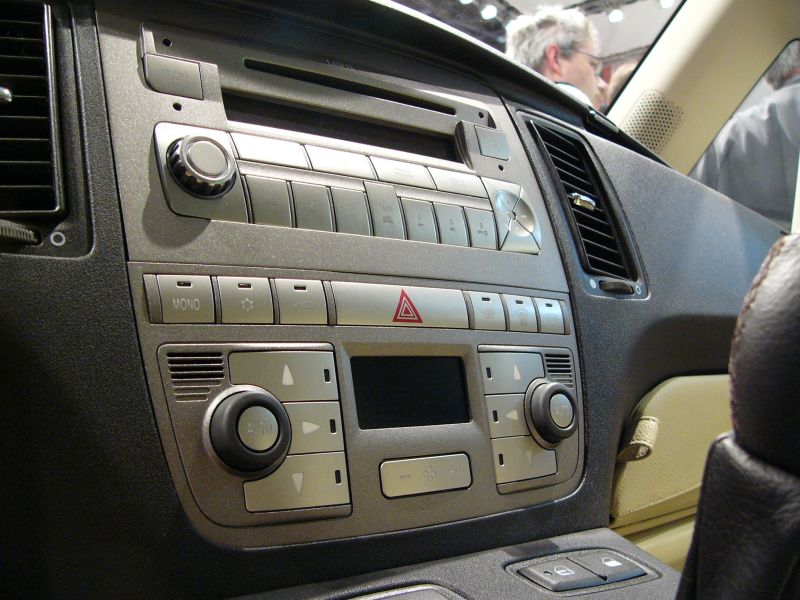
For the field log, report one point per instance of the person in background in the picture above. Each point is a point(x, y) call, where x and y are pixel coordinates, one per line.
point(754, 158)
point(618, 80)
point(563, 46)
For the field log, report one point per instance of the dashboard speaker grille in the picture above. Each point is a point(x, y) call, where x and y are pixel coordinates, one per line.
point(592, 222)
point(559, 368)
point(194, 374)
point(653, 121)
point(27, 136)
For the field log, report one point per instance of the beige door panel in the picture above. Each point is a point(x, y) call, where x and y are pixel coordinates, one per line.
point(691, 412)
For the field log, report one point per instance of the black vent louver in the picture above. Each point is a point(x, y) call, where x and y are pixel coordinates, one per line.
point(559, 368)
point(587, 206)
point(27, 133)
point(194, 374)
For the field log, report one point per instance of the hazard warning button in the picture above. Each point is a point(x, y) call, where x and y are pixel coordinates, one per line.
point(399, 306)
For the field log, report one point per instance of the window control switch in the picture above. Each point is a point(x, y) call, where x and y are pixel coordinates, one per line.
point(609, 565)
point(561, 575)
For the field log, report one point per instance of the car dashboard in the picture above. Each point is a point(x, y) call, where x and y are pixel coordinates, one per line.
point(330, 301)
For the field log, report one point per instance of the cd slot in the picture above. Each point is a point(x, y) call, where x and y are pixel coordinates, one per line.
point(258, 111)
point(345, 85)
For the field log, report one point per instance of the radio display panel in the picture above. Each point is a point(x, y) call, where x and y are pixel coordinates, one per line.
point(409, 391)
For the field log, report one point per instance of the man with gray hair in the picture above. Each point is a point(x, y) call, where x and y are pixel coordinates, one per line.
point(562, 45)
point(754, 158)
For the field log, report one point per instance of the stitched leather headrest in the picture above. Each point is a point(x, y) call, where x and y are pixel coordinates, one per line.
point(765, 361)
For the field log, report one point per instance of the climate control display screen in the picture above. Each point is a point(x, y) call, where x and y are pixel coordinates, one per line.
point(409, 391)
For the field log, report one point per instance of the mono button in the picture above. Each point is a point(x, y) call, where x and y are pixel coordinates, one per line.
point(186, 298)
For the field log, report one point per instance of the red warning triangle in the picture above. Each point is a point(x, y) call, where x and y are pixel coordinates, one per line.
point(406, 311)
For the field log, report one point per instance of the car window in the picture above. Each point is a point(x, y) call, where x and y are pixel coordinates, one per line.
point(625, 32)
point(754, 158)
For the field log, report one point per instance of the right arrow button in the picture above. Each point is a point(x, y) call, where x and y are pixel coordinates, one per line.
point(316, 427)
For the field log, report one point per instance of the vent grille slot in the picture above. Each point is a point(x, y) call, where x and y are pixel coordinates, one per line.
point(194, 374)
point(27, 140)
point(559, 369)
point(587, 206)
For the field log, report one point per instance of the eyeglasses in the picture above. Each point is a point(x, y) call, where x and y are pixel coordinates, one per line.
point(595, 61)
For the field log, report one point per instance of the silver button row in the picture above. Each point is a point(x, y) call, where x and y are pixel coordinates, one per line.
point(506, 376)
point(377, 212)
point(293, 154)
point(242, 300)
point(249, 300)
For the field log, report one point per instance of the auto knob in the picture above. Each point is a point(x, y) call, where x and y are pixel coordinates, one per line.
point(201, 166)
point(250, 431)
point(550, 411)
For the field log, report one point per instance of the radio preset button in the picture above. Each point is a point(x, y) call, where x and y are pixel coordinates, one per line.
point(481, 228)
point(245, 300)
point(395, 171)
point(268, 150)
point(386, 218)
point(458, 183)
point(338, 161)
point(521, 313)
point(506, 415)
point(425, 475)
point(316, 427)
point(504, 195)
point(524, 216)
point(493, 186)
point(301, 302)
point(312, 207)
point(420, 224)
point(302, 481)
point(519, 239)
point(350, 207)
point(270, 201)
point(186, 298)
point(519, 458)
point(550, 314)
point(452, 228)
point(399, 306)
point(292, 376)
point(487, 309)
point(509, 372)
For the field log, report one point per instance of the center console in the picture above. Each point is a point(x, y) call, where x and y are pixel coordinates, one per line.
point(352, 311)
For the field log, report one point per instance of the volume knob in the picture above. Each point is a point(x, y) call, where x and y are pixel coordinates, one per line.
point(201, 166)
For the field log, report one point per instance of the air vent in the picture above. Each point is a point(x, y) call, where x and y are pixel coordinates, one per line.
point(559, 369)
point(27, 141)
point(588, 209)
point(194, 375)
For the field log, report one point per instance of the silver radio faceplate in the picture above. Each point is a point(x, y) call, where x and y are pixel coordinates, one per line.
point(280, 203)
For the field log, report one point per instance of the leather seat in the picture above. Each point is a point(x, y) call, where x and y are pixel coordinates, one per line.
point(746, 542)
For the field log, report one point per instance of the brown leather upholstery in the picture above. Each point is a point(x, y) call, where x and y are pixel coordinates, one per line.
point(746, 543)
point(765, 361)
